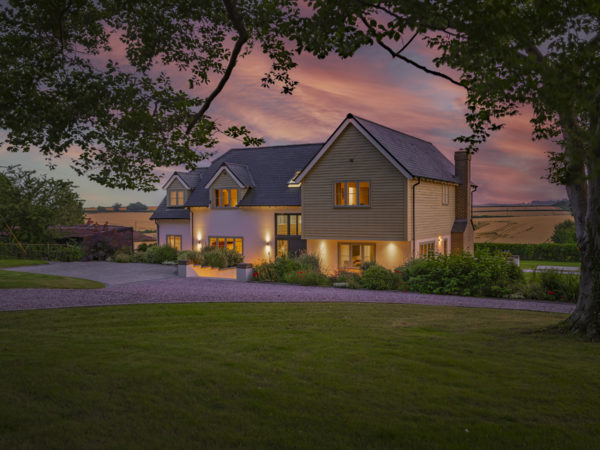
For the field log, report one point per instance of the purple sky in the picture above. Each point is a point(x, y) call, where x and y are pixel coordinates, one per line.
point(509, 168)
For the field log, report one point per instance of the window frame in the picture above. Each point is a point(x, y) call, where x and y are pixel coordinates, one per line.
point(427, 243)
point(176, 192)
point(445, 194)
point(225, 243)
point(169, 236)
point(219, 196)
point(346, 193)
point(362, 253)
point(298, 225)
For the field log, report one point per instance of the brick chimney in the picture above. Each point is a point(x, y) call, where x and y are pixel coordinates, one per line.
point(462, 231)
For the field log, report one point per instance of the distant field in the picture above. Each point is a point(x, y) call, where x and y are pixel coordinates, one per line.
point(138, 220)
point(110, 209)
point(526, 228)
point(515, 211)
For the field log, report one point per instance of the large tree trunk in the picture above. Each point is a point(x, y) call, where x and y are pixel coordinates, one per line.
point(584, 196)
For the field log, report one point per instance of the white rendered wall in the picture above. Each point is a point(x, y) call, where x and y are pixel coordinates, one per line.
point(175, 226)
point(256, 225)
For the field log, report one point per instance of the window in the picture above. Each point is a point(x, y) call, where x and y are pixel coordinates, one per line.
point(176, 197)
point(352, 256)
point(282, 247)
point(353, 193)
point(174, 240)
point(226, 198)
point(427, 248)
point(445, 194)
point(230, 243)
point(288, 224)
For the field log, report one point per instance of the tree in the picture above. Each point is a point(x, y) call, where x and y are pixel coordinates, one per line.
point(564, 233)
point(509, 54)
point(116, 207)
point(63, 89)
point(101, 209)
point(31, 205)
point(137, 206)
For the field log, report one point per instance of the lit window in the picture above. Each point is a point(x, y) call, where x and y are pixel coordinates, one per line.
point(226, 198)
point(234, 200)
point(282, 224)
point(352, 256)
point(227, 242)
point(176, 197)
point(353, 193)
point(293, 224)
point(299, 224)
point(217, 198)
point(288, 224)
point(427, 248)
point(282, 247)
point(174, 241)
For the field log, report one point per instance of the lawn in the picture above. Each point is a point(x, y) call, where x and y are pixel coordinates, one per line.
point(294, 376)
point(533, 264)
point(15, 280)
point(20, 262)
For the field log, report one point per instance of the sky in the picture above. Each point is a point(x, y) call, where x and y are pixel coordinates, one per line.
point(509, 168)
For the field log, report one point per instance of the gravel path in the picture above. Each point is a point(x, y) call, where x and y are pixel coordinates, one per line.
point(190, 290)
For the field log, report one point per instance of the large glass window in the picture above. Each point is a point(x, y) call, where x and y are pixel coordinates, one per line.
point(174, 240)
point(228, 242)
point(226, 198)
point(282, 224)
point(352, 256)
point(353, 193)
point(288, 224)
point(282, 247)
point(176, 197)
point(427, 248)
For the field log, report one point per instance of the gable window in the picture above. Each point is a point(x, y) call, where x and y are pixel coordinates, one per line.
point(427, 249)
point(174, 240)
point(353, 193)
point(226, 198)
point(176, 197)
point(228, 242)
point(445, 194)
point(352, 256)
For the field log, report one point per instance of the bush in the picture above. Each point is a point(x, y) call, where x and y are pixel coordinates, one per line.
point(157, 254)
point(564, 233)
point(216, 257)
point(352, 279)
point(554, 286)
point(377, 277)
point(364, 266)
point(53, 252)
point(280, 268)
point(308, 277)
point(142, 247)
point(462, 274)
point(536, 252)
point(122, 257)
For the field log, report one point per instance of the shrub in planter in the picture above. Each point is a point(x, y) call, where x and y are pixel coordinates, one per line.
point(377, 277)
point(308, 277)
point(157, 254)
point(217, 257)
point(191, 255)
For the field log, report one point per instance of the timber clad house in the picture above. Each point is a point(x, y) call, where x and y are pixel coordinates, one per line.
point(369, 193)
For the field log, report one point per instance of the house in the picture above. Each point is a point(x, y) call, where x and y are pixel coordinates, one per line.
point(369, 193)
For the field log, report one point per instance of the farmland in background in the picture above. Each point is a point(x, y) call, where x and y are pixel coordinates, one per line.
point(139, 221)
point(522, 224)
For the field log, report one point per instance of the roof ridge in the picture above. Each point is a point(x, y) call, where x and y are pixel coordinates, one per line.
point(392, 129)
point(272, 146)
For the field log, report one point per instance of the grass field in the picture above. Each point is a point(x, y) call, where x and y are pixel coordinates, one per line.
point(525, 264)
point(138, 220)
point(20, 262)
point(294, 376)
point(16, 280)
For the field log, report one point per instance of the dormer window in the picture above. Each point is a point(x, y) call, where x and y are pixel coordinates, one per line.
point(176, 197)
point(226, 198)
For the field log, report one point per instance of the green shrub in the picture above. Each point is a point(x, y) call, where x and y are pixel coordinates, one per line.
point(536, 252)
point(217, 257)
point(157, 254)
point(191, 255)
point(308, 277)
point(461, 274)
point(352, 279)
point(122, 257)
point(557, 286)
point(564, 233)
point(308, 261)
point(280, 268)
point(377, 277)
point(52, 252)
point(364, 266)
point(142, 247)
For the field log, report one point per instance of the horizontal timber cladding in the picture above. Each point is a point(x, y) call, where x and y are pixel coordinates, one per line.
point(353, 158)
point(176, 185)
point(224, 181)
point(432, 217)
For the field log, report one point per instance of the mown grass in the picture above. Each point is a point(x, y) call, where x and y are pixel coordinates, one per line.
point(294, 376)
point(527, 264)
point(20, 262)
point(15, 280)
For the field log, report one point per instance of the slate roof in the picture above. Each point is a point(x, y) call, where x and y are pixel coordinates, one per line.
point(269, 169)
point(164, 212)
point(241, 172)
point(420, 158)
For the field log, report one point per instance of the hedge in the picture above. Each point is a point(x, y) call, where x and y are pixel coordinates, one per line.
point(535, 252)
point(54, 252)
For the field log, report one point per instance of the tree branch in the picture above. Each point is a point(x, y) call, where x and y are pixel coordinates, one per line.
point(399, 55)
point(243, 36)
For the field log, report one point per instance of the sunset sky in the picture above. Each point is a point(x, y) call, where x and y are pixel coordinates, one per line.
point(508, 169)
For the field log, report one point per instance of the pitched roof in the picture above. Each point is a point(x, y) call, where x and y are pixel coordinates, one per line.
point(164, 212)
point(420, 158)
point(268, 169)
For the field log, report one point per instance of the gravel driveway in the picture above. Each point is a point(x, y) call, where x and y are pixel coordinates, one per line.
point(196, 290)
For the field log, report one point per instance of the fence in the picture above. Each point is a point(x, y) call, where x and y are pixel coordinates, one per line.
point(55, 252)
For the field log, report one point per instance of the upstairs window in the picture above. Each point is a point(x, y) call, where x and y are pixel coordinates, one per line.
point(353, 193)
point(226, 198)
point(445, 194)
point(176, 197)
point(288, 224)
